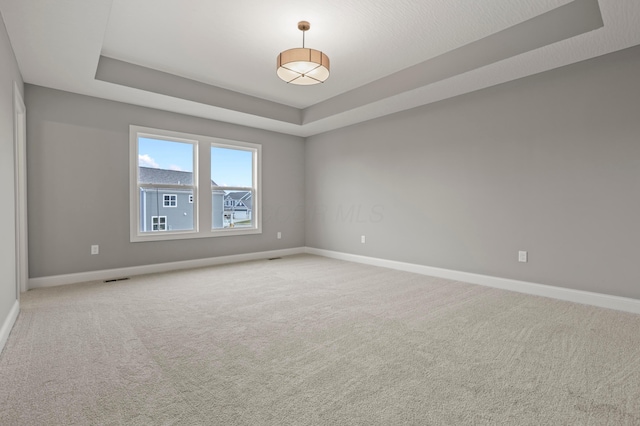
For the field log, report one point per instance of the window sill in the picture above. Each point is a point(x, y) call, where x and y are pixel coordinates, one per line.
point(169, 235)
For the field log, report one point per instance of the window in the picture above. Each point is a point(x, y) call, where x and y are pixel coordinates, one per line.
point(159, 223)
point(234, 183)
point(165, 171)
point(171, 200)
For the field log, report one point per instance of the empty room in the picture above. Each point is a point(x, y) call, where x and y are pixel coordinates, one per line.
point(363, 212)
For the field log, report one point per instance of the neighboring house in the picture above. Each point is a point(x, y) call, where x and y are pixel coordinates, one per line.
point(171, 209)
point(238, 205)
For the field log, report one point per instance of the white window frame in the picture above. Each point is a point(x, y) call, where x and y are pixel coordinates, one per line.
point(255, 189)
point(160, 222)
point(170, 200)
point(135, 234)
point(202, 197)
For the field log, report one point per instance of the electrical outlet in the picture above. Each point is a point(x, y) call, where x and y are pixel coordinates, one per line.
point(95, 249)
point(279, 236)
point(363, 239)
point(522, 256)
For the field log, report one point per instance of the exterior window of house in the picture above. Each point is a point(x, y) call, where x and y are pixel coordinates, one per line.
point(158, 223)
point(171, 200)
point(235, 184)
point(165, 169)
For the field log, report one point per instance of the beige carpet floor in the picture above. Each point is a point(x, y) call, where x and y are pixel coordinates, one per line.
point(306, 340)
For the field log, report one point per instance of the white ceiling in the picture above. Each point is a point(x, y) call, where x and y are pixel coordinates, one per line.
point(216, 59)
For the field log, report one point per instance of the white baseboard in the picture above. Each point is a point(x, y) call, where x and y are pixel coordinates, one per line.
point(8, 323)
point(578, 296)
point(107, 274)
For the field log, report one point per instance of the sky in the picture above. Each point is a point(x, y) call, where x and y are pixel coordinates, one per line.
point(229, 167)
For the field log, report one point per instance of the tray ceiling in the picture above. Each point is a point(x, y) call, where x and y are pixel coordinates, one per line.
point(217, 59)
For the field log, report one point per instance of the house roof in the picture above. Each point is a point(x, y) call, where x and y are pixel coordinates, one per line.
point(248, 202)
point(243, 196)
point(239, 195)
point(166, 177)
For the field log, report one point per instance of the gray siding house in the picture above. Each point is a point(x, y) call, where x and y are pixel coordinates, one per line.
point(171, 209)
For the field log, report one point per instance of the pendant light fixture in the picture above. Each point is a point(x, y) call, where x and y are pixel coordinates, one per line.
point(303, 66)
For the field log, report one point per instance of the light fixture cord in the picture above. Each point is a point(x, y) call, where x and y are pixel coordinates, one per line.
point(303, 31)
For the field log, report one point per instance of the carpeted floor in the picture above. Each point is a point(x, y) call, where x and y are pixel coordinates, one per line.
point(306, 340)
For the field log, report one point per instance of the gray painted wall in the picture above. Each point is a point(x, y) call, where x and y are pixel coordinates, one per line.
point(549, 164)
point(8, 75)
point(78, 184)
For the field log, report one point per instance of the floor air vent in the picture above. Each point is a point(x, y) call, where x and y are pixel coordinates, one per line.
point(116, 279)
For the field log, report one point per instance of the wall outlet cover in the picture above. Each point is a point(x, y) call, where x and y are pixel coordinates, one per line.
point(522, 256)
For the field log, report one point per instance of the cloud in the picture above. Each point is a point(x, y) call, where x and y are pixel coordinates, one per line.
point(175, 168)
point(146, 161)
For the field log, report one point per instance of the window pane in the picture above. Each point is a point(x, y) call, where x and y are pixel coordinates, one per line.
point(158, 223)
point(175, 216)
point(170, 200)
point(166, 155)
point(165, 162)
point(231, 167)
